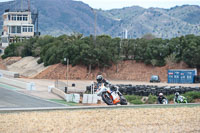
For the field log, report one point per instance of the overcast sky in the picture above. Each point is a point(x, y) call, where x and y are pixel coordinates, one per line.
point(110, 4)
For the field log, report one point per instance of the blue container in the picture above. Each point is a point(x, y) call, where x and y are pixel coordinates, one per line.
point(177, 76)
point(170, 76)
point(182, 76)
point(190, 76)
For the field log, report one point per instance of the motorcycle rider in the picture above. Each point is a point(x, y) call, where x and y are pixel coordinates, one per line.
point(178, 97)
point(101, 80)
point(160, 98)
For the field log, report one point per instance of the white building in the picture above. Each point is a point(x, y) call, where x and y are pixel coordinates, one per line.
point(16, 27)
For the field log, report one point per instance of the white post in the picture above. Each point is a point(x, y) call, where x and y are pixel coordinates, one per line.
point(92, 88)
point(67, 71)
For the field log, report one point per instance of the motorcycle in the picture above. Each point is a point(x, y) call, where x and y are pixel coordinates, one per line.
point(164, 101)
point(111, 97)
point(180, 99)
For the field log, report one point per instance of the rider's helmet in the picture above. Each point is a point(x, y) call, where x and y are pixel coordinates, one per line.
point(176, 94)
point(99, 78)
point(160, 94)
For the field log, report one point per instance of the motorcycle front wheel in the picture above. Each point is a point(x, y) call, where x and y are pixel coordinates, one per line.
point(123, 100)
point(106, 98)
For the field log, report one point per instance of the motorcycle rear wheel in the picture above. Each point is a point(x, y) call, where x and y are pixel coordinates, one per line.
point(106, 98)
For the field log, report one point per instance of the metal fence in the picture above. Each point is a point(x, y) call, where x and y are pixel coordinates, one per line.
point(61, 85)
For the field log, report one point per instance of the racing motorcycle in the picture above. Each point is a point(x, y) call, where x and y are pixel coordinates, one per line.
point(180, 99)
point(110, 97)
point(164, 101)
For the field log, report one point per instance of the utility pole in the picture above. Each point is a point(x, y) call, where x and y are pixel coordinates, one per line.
point(95, 21)
point(21, 4)
point(65, 59)
point(29, 7)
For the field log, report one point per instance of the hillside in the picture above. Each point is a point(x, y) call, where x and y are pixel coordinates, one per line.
point(127, 70)
point(58, 17)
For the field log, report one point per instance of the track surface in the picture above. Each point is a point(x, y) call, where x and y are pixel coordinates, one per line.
point(14, 99)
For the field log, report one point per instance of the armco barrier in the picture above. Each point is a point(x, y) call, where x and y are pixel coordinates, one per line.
point(17, 83)
point(9, 74)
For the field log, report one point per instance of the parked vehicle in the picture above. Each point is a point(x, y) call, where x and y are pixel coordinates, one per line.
point(155, 78)
point(111, 97)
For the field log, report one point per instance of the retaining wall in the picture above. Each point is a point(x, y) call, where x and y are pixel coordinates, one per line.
point(17, 83)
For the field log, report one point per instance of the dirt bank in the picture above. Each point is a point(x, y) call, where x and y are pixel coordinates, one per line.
point(126, 70)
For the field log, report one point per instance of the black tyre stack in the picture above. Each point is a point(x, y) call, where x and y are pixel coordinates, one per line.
point(146, 90)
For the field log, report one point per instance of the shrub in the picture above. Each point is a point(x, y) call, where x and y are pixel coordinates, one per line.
point(151, 99)
point(192, 95)
point(136, 101)
point(170, 97)
point(130, 98)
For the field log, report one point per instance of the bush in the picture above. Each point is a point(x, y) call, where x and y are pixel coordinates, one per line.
point(132, 97)
point(151, 99)
point(170, 97)
point(136, 101)
point(192, 95)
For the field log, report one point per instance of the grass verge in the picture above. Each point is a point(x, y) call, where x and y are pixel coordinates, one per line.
point(64, 102)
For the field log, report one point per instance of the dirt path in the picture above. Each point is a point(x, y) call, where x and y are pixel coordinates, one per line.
point(137, 120)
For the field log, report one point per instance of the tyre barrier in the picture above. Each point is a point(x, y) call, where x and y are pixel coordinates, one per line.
point(146, 90)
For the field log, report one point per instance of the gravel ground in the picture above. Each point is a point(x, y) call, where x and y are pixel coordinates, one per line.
point(131, 120)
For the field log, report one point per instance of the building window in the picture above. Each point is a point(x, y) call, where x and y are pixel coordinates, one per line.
point(9, 17)
point(27, 28)
point(19, 17)
point(30, 29)
point(15, 29)
point(14, 17)
point(19, 29)
point(24, 28)
point(25, 17)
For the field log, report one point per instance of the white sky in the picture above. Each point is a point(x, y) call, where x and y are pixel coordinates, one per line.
point(110, 4)
point(4, 0)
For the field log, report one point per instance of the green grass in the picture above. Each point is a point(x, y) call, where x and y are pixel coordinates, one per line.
point(64, 102)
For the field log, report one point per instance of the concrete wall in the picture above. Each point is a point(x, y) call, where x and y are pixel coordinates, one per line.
point(17, 83)
point(9, 74)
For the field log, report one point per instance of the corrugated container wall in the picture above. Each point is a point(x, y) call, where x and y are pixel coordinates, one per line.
point(182, 76)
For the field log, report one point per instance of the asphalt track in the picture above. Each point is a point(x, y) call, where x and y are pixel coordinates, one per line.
point(14, 99)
